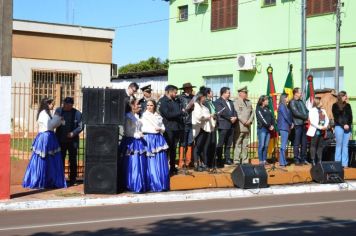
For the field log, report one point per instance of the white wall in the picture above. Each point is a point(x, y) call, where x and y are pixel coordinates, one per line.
point(157, 83)
point(93, 75)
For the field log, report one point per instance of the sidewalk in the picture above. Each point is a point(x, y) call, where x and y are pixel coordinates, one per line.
point(74, 196)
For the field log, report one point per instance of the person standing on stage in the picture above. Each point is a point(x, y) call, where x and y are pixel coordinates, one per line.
point(284, 124)
point(300, 118)
point(45, 169)
point(172, 113)
point(68, 135)
point(130, 95)
point(342, 113)
point(227, 117)
point(133, 149)
point(187, 142)
point(265, 124)
point(146, 96)
point(201, 127)
point(319, 123)
point(157, 161)
point(245, 115)
point(210, 145)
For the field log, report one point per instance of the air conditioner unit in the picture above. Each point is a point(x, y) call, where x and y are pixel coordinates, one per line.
point(200, 1)
point(246, 61)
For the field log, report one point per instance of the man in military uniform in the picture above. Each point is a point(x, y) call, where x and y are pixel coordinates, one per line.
point(146, 96)
point(245, 115)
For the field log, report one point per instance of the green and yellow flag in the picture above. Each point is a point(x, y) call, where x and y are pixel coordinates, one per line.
point(289, 84)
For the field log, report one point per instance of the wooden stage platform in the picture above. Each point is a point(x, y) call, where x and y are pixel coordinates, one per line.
point(293, 175)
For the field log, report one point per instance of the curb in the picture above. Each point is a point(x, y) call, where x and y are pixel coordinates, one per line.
point(191, 195)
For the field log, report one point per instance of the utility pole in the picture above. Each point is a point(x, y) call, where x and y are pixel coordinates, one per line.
point(337, 57)
point(5, 95)
point(304, 45)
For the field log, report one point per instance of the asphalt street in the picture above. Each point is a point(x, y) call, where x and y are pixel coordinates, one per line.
point(328, 213)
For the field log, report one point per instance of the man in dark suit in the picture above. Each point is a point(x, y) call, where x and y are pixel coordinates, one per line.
point(130, 94)
point(172, 114)
point(227, 117)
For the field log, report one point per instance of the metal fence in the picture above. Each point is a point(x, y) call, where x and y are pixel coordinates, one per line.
point(24, 114)
point(24, 127)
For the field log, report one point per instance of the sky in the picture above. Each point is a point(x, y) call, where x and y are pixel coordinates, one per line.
point(131, 44)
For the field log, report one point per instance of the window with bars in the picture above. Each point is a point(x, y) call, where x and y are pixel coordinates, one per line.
point(217, 82)
point(52, 84)
point(320, 7)
point(269, 3)
point(183, 13)
point(223, 14)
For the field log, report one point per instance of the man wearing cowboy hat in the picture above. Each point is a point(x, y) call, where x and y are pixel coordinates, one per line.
point(187, 142)
point(146, 95)
point(245, 116)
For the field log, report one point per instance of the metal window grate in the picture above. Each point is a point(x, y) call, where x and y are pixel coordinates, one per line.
point(55, 84)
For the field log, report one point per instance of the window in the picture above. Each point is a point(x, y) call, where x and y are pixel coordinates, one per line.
point(325, 78)
point(217, 82)
point(223, 14)
point(319, 7)
point(53, 84)
point(269, 2)
point(183, 13)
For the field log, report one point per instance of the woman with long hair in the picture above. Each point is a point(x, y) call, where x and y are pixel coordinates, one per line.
point(133, 149)
point(284, 124)
point(342, 113)
point(319, 123)
point(45, 169)
point(210, 144)
point(201, 126)
point(157, 160)
point(265, 124)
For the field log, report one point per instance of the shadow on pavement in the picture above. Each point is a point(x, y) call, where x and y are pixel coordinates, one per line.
point(196, 226)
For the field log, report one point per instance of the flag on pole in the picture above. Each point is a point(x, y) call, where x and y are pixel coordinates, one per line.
point(289, 84)
point(272, 103)
point(309, 96)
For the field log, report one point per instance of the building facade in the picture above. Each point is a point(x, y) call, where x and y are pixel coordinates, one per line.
point(55, 60)
point(231, 43)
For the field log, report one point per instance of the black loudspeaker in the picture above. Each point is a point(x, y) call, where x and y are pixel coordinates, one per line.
point(327, 172)
point(329, 152)
point(101, 159)
point(352, 153)
point(249, 176)
point(104, 106)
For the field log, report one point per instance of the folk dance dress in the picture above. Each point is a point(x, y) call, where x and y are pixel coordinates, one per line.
point(157, 160)
point(133, 148)
point(45, 169)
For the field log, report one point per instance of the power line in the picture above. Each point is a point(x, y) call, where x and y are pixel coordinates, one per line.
point(168, 19)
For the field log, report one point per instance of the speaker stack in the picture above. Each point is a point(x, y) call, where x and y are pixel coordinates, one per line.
point(327, 172)
point(249, 176)
point(103, 112)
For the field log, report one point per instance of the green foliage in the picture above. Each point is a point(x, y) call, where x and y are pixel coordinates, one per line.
point(150, 64)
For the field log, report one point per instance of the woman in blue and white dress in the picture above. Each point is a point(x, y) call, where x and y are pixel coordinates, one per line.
point(157, 160)
point(45, 169)
point(133, 149)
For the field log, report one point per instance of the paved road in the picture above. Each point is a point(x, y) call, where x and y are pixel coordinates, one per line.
point(332, 213)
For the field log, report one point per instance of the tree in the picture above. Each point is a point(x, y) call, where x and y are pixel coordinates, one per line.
point(152, 63)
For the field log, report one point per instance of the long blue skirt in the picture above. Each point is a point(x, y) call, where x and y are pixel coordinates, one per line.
point(45, 169)
point(157, 163)
point(134, 164)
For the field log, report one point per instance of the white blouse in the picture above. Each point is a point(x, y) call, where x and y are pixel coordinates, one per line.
point(152, 123)
point(46, 123)
point(132, 127)
point(201, 119)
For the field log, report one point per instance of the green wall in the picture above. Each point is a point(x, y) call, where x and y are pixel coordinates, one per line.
point(272, 33)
